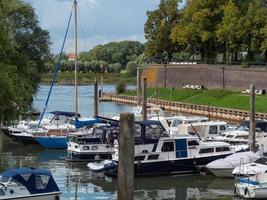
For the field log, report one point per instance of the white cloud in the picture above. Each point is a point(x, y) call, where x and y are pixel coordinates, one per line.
point(99, 21)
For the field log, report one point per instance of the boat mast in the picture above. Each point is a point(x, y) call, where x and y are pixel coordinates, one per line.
point(75, 59)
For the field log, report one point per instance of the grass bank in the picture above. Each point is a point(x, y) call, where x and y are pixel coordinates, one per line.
point(67, 78)
point(219, 98)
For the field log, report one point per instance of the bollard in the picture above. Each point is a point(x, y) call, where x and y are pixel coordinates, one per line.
point(126, 157)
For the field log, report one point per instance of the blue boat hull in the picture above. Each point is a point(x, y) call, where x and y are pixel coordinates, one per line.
point(181, 166)
point(52, 142)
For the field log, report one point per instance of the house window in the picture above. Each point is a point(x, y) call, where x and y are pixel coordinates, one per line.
point(213, 130)
point(153, 157)
point(206, 150)
point(167, 146)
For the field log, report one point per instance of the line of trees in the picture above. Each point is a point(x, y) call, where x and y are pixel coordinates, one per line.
point(114, 57)
point(24, 50)
point(236, 30)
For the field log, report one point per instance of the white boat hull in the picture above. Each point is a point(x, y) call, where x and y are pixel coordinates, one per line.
point(251, 192)
point(227, 173)
point(54, 196)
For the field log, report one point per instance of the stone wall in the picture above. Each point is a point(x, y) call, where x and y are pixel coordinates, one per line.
point(210, 76)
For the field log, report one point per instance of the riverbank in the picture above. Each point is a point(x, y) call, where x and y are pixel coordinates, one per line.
point(216, 98)
point(67, 78)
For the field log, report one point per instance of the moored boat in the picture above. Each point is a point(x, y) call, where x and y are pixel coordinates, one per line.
point(173, 155)
point(224, 167)
point(28, 184)
point(253, 187)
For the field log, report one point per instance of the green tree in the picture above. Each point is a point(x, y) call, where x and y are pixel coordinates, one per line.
point(197, 29)
point(131, 68)
point(229, 30)
point(24, 51)
point(158, 29)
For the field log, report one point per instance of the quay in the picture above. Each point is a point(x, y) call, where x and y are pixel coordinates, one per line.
point(187, 108)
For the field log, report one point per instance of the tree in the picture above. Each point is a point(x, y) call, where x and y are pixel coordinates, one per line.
point(24, 51)
point(197, 29)
point(253, 23)
point(158, 29)
point(131, 68)
point(229, 30)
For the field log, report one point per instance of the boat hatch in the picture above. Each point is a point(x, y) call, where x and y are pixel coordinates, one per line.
point(181, 148)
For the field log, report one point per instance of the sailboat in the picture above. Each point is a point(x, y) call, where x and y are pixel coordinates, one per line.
point(55, 141)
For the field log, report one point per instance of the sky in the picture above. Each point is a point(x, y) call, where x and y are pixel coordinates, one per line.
point(99, 21)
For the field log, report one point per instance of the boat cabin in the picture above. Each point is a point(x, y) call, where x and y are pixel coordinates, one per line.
point(204, 130)
point(27, 183)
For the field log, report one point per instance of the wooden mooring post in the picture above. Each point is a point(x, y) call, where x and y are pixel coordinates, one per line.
point(144, 99)
point(96, 98)
point(252, 118)
point(139, 86)
point(126, 157)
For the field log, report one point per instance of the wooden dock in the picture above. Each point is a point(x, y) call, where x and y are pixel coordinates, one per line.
point(193, 109)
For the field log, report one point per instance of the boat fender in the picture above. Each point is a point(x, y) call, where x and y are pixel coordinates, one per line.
point(235, 192)
point(138, 165)
point(245, 191)
point(57, 197)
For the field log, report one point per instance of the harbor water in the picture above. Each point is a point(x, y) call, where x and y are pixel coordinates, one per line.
point(77, 182)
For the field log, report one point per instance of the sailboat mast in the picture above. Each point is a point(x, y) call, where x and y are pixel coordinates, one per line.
point(75, 60)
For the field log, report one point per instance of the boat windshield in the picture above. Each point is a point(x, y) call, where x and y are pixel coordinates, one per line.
point(10, 181)
point(242, 128)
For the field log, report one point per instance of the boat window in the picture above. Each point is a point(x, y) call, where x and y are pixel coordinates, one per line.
point(213, 130)
point(167, 146)
point(176, 123)
point(206, 150)
point(220, 149)
point(230, 136)
point(94, 148)
point(41, 181)
point(169, 122)
point(2, 192)
point(136, 158)
point(222, 128)
point(153, 157)
point(26, 176)
point(153, 131)
point(193, 143)
point(86, 147)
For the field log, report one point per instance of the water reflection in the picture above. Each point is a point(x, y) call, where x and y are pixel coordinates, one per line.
point(77, 182)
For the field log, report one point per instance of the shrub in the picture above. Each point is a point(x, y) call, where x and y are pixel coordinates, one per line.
point(132, 68)
point(120, 88)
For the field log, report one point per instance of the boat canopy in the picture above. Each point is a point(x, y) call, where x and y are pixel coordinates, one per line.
point(65, 113)
point(35, 180)
point(88, 122)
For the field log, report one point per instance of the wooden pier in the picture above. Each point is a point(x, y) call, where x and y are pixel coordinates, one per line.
point(193, 109)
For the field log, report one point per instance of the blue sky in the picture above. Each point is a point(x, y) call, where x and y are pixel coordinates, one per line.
point(99, 21)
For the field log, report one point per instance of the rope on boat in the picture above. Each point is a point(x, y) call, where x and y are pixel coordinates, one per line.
point(57, 68)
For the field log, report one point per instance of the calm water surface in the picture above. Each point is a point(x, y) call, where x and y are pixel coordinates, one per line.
point(77, 182)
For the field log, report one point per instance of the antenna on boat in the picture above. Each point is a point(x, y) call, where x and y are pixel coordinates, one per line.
point(75, 59)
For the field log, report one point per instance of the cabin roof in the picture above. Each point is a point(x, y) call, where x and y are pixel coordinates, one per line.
point(66, 113)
